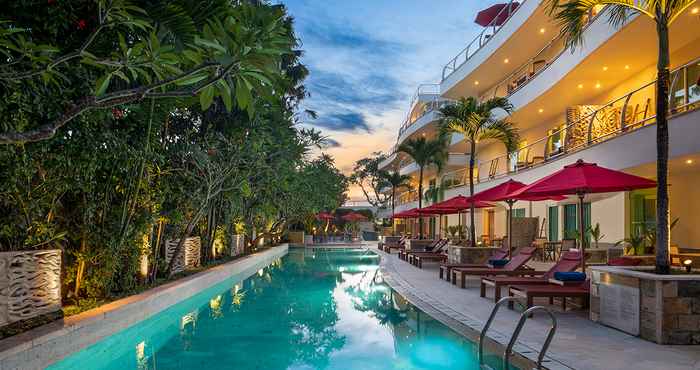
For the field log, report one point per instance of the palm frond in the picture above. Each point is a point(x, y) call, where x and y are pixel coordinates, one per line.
point(505, 132)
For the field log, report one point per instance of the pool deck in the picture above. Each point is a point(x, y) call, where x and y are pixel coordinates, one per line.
point(578, 344)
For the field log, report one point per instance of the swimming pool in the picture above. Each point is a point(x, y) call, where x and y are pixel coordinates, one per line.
point(322, 309)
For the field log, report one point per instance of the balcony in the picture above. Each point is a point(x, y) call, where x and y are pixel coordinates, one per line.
point(592, 125)
point(453, 160)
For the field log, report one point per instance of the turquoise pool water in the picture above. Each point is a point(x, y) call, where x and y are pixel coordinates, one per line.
point(308, 310)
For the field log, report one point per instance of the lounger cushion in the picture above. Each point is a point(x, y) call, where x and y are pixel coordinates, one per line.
point(570, 276)
point(498, 263)
point(622, 261)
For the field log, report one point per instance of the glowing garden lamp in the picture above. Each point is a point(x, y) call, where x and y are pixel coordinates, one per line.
point(688, 265)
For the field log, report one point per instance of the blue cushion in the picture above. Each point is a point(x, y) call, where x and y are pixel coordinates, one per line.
point(498, 263)
point(570, 276)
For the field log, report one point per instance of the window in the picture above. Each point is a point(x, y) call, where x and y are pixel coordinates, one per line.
point(693, 76)
point(519, 212)
point(571, 220)
point(555, 142)
point(553, 231)
point(643, 211)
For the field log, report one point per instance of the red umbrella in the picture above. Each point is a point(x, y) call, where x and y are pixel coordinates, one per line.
point(461, 203)
point(325, 216)
point(354, 217)
point(411, 213)
point(504, 193)
point(583, 178)
point(496, 15)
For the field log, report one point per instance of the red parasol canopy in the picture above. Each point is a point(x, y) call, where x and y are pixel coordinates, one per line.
point(583, 178)
point(496, 15)
point(325, 216)
point(435, 210)
point(461, 203)
point(354, 217)
point(411, 213)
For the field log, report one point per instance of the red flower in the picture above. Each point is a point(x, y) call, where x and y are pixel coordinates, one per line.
point(117, 113)
point(82, 24)
point(51, 2)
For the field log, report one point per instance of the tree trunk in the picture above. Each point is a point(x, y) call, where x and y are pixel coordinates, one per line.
point(663, 231)
point(80, 271)
point(420, 203)
point(393, 208)
point(472, 231)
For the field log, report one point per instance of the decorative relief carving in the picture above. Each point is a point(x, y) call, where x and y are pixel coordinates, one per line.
point(189, 256)
point(29, 284)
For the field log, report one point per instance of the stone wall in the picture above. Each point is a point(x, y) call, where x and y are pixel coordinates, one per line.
point(189, 256)
point(524, 231)
point(237, 245)
point(469, 255)
point(30, 284)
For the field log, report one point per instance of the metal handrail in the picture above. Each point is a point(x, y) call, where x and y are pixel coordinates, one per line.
point(516, 333)
point(514, 337)
point(480, 41)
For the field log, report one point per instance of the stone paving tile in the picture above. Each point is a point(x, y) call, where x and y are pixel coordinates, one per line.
point(578, 344)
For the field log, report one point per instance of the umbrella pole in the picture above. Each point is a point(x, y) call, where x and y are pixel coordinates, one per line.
point(510, 227)
point(581, 231)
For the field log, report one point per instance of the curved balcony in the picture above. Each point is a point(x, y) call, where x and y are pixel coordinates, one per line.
point(489, 33)
point(453, 160)
point(593, 125)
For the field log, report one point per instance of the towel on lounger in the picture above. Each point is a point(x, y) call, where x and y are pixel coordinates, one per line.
point(570, 276)
point(498, 263)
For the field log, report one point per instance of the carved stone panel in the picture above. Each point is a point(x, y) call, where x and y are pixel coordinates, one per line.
point(30, 284)
point(189, 256)
point(237, 245)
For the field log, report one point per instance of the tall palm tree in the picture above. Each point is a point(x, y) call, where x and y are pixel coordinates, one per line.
point(572, 16)
point(425, 152)
point(396, 181)
point(477, 122)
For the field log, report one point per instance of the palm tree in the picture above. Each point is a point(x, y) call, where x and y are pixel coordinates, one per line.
point(396, 181)
point(476, 121)
point(425, 152)
point(572, 16)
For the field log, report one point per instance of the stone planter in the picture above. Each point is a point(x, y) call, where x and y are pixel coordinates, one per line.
point(30, 284)
point(418, 244)
point(189, 256)
point(660, 308)
point(471, 255)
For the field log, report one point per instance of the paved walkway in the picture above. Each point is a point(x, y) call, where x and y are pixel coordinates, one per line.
point(578, 344)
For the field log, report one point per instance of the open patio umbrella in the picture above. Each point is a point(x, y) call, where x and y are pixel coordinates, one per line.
point(504, 193)
point(327, 217)
point(460, 203)
point(434, 210)
point(583, 178)
point(411, 213)
point(496, 15)
point(354, 217)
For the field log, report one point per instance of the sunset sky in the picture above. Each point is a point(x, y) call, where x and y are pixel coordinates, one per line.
point(366, 59)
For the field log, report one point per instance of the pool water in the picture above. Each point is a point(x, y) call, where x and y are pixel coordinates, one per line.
point(322, 309)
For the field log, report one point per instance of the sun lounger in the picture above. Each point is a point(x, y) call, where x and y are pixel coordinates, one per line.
point(437, 251)
point(396, 245)
point(515, 267)
point(551, 291)
point(403, 253)
point(446, 268)
point(569, 261)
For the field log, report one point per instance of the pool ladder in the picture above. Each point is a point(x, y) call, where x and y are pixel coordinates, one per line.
point(516, 333)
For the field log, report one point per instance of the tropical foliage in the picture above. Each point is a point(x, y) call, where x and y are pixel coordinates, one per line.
point(130, 123)
point(396, 181)
point(425, 152)
point(572, 16)
point(370, 179)
point(477, 121)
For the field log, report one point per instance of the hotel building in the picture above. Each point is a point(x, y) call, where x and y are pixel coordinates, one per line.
point(595, 103)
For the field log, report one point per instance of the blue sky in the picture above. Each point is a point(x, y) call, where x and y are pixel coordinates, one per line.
point(366, 59)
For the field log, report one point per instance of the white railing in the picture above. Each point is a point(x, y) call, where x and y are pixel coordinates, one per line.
point(593, 125)
point(481, 39)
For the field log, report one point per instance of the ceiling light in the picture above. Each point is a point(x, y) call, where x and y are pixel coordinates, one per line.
point(476, 82)
point(541, 110)
point(542, 30)
point(695, 11)
point(605, 68)
point(580, 86)
point(597, 85)
point(506, 60)
point(627, 66)
point(689, 161)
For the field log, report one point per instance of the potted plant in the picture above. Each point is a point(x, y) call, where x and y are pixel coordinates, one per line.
point(595, 234)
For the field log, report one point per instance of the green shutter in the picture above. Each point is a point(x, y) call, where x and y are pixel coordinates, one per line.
point(553, 223)
point(570, 220)
point(519, 212)
point(587, 221)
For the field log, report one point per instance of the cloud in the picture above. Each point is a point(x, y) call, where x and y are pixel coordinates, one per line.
point(349, 121)
point(332, 143)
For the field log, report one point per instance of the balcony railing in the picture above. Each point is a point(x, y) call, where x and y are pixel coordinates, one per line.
point(407, 197)
point(536, 64)
point(592, 124)
point(481, 39)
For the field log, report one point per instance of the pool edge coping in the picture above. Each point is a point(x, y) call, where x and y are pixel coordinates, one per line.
point(36, 348)
point(464, 325)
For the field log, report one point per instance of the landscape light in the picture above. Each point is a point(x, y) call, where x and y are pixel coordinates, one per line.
point(688, 265)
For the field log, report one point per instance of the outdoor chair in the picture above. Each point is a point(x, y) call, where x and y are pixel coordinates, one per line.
point(514, 267)
point(403, 253)
point(569, 261)
point(437, 249)
point(446, 268)
point(530, 292)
